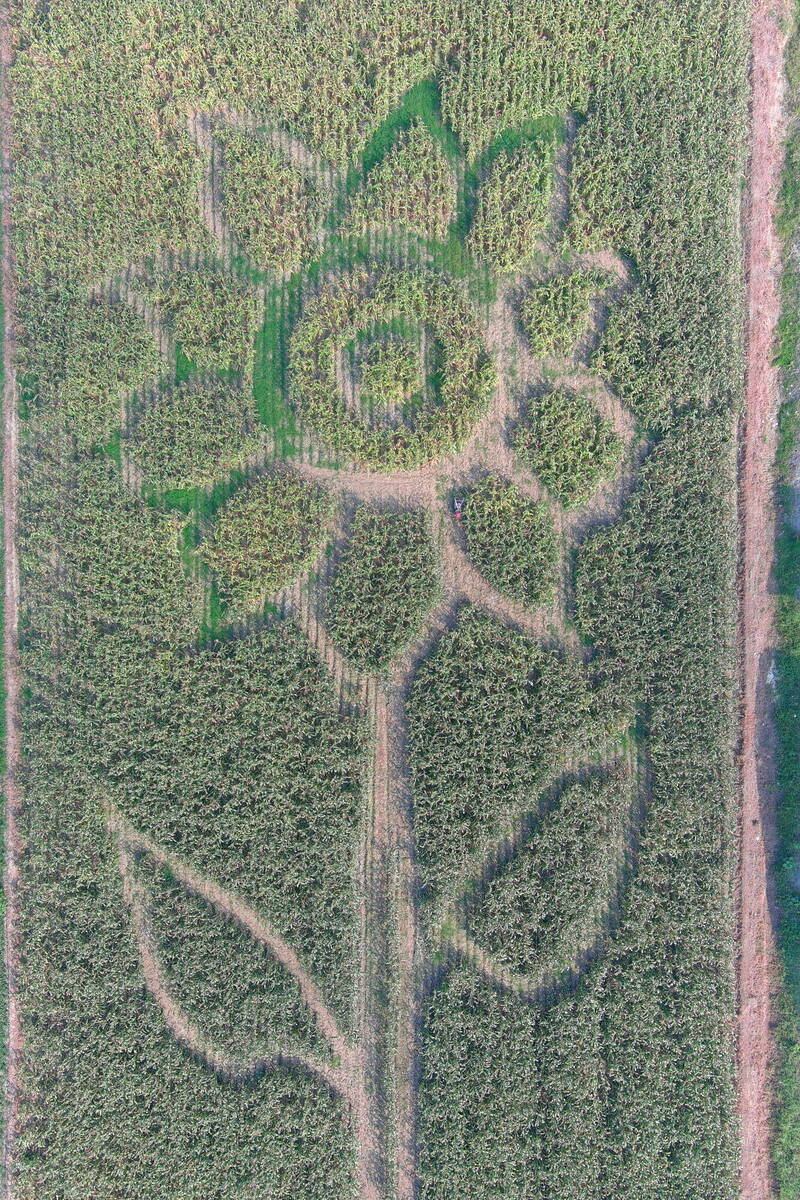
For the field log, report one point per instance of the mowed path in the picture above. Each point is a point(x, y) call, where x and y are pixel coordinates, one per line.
point(757, 960)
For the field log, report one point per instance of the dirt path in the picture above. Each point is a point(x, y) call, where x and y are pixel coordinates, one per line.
point(374, 937)
point(11, 621)
point(757, 532)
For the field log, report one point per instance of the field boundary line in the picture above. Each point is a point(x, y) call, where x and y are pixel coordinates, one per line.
point(10, 619)
point(756, 495)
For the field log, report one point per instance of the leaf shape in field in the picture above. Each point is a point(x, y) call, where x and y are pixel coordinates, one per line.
point(265, 536)
point(273, 207)
point(513, 212)
point(235, 757)
point(557, 312)
point(412, 188)
point(547, 903)
point(229, 985)
point(491, 715)
point(270, 1024)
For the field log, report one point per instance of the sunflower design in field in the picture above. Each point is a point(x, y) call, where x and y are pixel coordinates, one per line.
point(384, 425)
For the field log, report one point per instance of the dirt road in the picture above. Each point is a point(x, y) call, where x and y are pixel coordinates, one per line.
point(757, 635)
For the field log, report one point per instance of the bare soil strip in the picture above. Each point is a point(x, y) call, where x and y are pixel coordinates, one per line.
point(757, 960)
point(375, 952)
point(11, 620)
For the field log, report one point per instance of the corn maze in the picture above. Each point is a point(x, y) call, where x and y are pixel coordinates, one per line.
point(377, 378)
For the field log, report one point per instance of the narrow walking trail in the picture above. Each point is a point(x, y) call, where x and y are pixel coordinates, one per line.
point(757, 638)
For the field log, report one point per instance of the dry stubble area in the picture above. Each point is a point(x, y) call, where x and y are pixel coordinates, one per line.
point(377, 371)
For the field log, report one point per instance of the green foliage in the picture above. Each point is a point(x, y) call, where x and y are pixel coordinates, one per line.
point(272, 208)
point(788, 218)
point(111, 1068)
point(513, 211)
point(389, 376)
point(96, 559)
point(265, 536)
point(412, 188)
point(576, 1091)
point(385, 582)
point(212, 316)
point(551, 898)
point(788, 332)
point(633, 602)
point(623, 1089)
point(490, 712)
point(557, 312)
point(568, 445)
point(193, 434)
point(92, 355)
point(628, 358)
point(500, 1119)
point(219, 752)
point(511, 540)
point(107, 181)
point(455, 395)
point(787, 1137)
point(681, 324)
point(120, 562)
